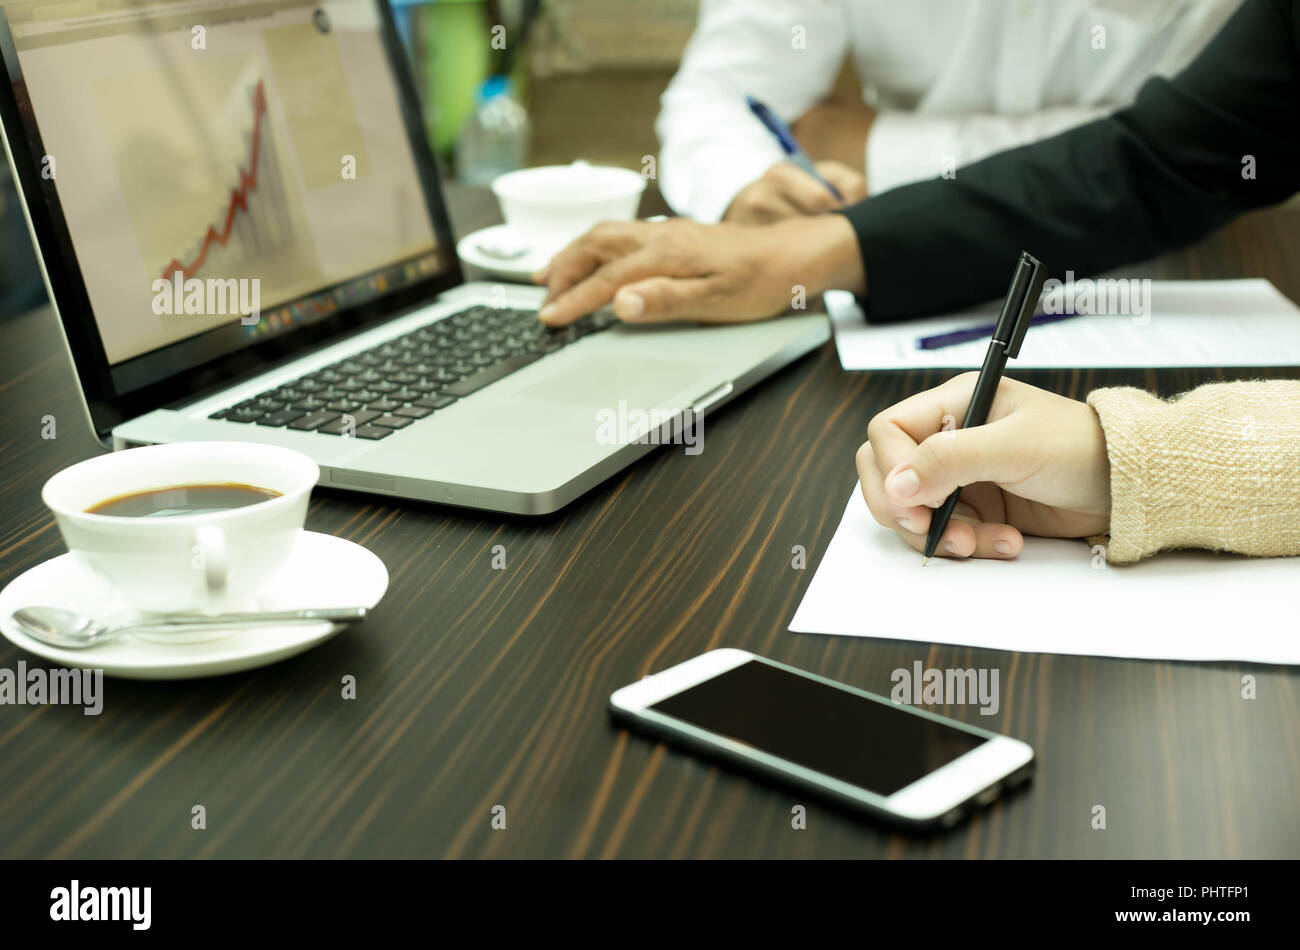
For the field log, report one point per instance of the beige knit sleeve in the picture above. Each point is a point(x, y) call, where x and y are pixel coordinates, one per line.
point(1216, 468)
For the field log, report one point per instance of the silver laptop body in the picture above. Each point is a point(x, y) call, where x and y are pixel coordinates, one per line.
point(529, 442)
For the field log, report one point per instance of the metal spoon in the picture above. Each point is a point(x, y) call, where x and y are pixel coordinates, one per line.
point(74, 631)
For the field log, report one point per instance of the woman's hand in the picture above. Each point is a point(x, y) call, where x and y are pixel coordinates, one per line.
point(1038, 466)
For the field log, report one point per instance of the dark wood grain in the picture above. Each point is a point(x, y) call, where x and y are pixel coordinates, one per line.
point(481, 687)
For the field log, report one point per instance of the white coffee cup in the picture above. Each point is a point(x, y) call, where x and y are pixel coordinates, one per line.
point(209, 561)
point(549, 206)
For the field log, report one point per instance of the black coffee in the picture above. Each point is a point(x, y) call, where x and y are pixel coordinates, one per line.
point(182, 500)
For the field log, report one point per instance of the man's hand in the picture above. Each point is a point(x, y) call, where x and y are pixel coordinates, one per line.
point(787, 191)
point(1038, 466)
point(657, 271)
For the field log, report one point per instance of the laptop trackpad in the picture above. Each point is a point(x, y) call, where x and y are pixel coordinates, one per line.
point(643, 382)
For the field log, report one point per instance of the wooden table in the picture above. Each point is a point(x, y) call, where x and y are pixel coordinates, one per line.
point(479, 687)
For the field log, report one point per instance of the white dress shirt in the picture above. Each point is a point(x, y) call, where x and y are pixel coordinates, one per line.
point(953, 81)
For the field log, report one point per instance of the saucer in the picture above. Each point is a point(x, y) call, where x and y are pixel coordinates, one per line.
point(322, 571)
point(521, 269)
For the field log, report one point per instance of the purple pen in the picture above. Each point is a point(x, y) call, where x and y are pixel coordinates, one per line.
point(981, 332)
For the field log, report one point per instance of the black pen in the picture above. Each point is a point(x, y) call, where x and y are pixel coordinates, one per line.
point(1008, 334)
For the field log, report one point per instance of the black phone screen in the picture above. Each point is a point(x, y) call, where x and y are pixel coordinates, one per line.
point(869, 743)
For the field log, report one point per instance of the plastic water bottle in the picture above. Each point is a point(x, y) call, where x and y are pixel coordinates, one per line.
point(495, 138)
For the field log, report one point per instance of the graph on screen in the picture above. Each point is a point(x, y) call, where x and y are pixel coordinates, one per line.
point(209, 185)
point(256, 219)
point(275, 153)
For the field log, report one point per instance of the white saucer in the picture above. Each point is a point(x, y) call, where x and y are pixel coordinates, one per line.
point(516, 269)
point(323, 571)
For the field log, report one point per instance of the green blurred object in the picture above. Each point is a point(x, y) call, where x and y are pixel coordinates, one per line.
point(455, 46)
point(452, 44)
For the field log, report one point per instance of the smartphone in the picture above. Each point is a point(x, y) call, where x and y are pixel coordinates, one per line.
point(894, 762)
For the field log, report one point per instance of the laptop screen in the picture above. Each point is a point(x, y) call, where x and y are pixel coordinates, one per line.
point(228, 171)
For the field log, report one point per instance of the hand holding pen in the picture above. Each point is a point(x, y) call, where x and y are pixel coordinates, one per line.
point(794, 187)
point(1008, 334)
point(789, 144)
point(1038, 465)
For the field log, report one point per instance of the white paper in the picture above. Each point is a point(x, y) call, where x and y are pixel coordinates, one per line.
point(1056, 597)
point(1184, 323)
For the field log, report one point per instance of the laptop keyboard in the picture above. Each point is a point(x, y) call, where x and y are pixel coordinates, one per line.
point(391, 386)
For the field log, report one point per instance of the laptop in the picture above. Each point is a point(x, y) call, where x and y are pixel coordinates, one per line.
point(243, 235)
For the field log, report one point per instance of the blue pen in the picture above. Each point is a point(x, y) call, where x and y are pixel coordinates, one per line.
point(981, 332)
point(787, 141)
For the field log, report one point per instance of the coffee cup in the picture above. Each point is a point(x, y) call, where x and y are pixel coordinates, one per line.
point(548, 206)
point(207, 561)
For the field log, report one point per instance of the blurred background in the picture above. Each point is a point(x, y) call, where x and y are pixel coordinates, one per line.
point(564, 80)
point(505, 84)
point(588, 72)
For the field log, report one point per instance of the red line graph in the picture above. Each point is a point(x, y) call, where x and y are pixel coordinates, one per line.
point(238, 196)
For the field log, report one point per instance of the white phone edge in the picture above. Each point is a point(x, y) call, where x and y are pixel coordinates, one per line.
point(938, 797)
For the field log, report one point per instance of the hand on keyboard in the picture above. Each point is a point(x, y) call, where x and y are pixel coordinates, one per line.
point(389, 386)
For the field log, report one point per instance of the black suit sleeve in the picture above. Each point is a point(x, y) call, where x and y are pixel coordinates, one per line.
point(1190, 154)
